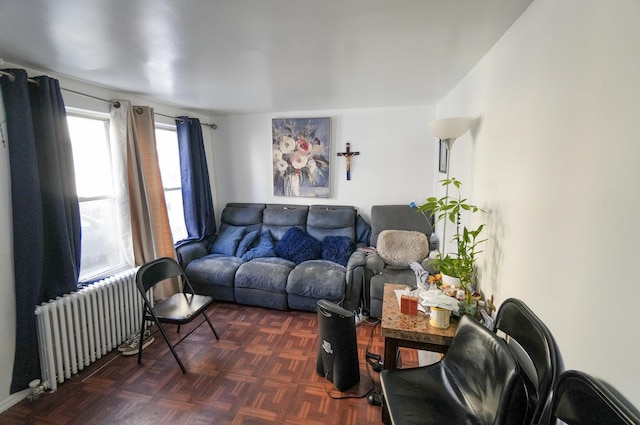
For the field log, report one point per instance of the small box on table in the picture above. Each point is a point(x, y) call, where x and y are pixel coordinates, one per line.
point(408, 305)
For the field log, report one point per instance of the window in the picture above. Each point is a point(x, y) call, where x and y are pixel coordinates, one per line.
point(102, 253)
point(169, 159)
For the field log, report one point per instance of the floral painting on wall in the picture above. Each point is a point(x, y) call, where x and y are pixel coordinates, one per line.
point(301, 156)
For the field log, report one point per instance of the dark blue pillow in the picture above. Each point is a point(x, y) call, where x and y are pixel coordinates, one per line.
point(227, 241)
point(297, 246)
point(246, 242)
point(264, 248)
point(337, 249)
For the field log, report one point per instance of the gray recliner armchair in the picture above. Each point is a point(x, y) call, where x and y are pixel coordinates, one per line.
point(381, 269)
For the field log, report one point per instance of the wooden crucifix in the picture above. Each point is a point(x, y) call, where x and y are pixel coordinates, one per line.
point(347, 155)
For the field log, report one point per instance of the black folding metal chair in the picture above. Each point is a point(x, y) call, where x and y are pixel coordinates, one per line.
point(581, 399)
point(179, 309)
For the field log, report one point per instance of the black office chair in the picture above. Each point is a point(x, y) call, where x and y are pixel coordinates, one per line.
point(537, 352)
point(477, 382)
point(178, 309)
point(580, 399)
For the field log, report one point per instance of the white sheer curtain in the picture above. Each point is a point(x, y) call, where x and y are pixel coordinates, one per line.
point(141, 204)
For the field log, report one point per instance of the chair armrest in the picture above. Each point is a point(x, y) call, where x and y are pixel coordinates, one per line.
point(190, 251)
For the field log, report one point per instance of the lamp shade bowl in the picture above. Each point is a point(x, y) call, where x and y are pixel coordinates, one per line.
point(450, 128)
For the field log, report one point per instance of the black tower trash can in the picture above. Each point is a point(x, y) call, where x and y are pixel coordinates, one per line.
point(338, 347)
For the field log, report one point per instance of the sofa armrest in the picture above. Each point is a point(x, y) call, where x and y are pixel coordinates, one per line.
point(375, 263)
point(354, 280)
point(357, 259)
point(190, 251)
point(428, 265)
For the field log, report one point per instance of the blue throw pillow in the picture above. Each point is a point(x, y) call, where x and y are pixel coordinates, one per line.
point(298, 246)
point(337, 249)
point(227, 241)
point(246, 242)
point(264, 248)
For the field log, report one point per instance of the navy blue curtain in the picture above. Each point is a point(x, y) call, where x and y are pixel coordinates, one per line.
point(196, 190)
point(46, 216)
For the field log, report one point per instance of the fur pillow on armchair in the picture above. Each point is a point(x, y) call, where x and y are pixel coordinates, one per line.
point(398, 248)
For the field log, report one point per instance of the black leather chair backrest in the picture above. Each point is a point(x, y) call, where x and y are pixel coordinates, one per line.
point(486, 373)
point(536, 350)
point(580, 399)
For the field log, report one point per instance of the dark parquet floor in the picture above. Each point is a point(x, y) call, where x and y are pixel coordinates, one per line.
point(261, 371)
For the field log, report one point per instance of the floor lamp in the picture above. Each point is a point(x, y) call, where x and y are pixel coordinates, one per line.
point(447, 131)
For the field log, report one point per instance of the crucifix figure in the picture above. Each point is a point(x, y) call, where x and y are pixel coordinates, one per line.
point(347, 155)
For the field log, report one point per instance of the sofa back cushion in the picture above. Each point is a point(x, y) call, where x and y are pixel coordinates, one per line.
point(331, 220)
point(278, 218)
point(398, 217)
point(247, 215)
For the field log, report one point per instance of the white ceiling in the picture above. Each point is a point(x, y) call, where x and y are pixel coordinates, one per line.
point(248, 56)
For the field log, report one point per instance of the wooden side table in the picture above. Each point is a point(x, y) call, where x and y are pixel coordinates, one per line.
point(403, 330)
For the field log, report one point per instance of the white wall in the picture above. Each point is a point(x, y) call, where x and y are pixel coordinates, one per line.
point(394, 166)
point(555, 161)
point(7, 301)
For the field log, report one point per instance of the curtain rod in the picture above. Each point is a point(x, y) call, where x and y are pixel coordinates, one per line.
point(117, 105)
point(12, 77)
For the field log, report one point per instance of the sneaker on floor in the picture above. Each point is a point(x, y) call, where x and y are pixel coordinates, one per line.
point(133, 347)
point(133, 337)
point(125, 344)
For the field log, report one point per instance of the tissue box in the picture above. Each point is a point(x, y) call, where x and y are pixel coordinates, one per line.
point(408, 305)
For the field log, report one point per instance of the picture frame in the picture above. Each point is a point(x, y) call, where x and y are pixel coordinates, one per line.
point(443, 155)
point(301, 157)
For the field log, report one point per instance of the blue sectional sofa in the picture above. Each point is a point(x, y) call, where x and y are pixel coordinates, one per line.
point(281, 256)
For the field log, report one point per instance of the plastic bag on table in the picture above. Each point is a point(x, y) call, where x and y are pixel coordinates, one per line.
point(436, 298)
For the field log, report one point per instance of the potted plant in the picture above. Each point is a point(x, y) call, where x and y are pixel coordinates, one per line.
point(459, 264)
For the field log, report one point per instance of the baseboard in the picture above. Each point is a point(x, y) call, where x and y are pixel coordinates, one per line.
point(13, 399)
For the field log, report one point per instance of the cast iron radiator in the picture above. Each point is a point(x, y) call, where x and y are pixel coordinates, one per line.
point(79, 328)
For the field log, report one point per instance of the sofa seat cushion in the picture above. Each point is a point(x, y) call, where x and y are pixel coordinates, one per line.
point(262, 282)
point(267, 274)
point(214, 275)
point(317, 279)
